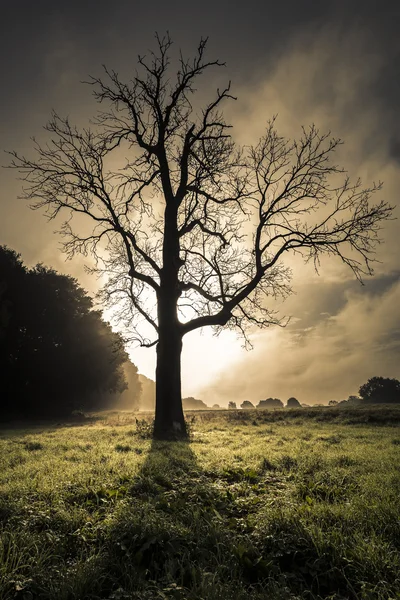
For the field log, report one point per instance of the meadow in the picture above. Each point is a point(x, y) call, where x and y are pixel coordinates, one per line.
point(290, 504)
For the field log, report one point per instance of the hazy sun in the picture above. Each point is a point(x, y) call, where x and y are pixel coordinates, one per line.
point(203, 357)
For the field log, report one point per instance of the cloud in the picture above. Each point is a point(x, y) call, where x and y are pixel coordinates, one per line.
point(324, 355)
point(341, 333)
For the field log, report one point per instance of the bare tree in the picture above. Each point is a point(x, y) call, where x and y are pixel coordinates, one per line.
point(192, 229)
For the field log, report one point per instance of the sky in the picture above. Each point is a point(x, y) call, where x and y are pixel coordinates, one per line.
point(335, 64)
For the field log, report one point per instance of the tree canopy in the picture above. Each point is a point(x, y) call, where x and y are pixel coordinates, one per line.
point(191, 403)
point(381, 390)
point(270, 403)
point(246, 404)
point(293, 403)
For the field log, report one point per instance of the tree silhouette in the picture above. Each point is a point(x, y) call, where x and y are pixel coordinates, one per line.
point(380, 390)
point(247, 404)
point(191, 229)
point(293, 403)
point(191, 403)
point(270, 403)
point(12, 277)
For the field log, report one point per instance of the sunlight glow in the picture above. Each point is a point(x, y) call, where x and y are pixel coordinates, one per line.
point(203, 357)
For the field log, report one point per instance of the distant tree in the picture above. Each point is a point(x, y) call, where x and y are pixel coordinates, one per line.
point(147, 399)
point(129, 399)
point(350, 401)
point(191, 403)
point(56, 350)
point(247, 404)
point(168, 223)
point(215, 406)
point(231, 405)
point(380, 390)
point(270, 403)
point(354, 400)
point(293, 403)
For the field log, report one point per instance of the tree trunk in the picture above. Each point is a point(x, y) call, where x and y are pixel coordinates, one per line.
point(169, 420)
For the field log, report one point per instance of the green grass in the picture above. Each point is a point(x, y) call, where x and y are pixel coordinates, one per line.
point(299, 504)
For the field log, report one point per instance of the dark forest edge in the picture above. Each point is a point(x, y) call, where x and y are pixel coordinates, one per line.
point(57, 354)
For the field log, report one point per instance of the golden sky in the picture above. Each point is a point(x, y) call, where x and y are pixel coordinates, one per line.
point(335, 67)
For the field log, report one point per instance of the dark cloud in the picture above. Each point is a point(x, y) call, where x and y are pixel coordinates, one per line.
point(249, 35)
point(394, 148)
point(322, 300)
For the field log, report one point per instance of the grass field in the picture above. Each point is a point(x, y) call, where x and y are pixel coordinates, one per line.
point(300, 504)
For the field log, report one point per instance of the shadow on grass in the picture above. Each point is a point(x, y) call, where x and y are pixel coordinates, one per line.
point(170, 536)
point(188, 534)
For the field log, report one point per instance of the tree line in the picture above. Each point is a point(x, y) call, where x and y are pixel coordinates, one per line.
point(57, 354)
point(377, 390)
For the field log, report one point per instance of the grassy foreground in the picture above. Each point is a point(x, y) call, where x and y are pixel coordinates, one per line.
point(278, 505)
